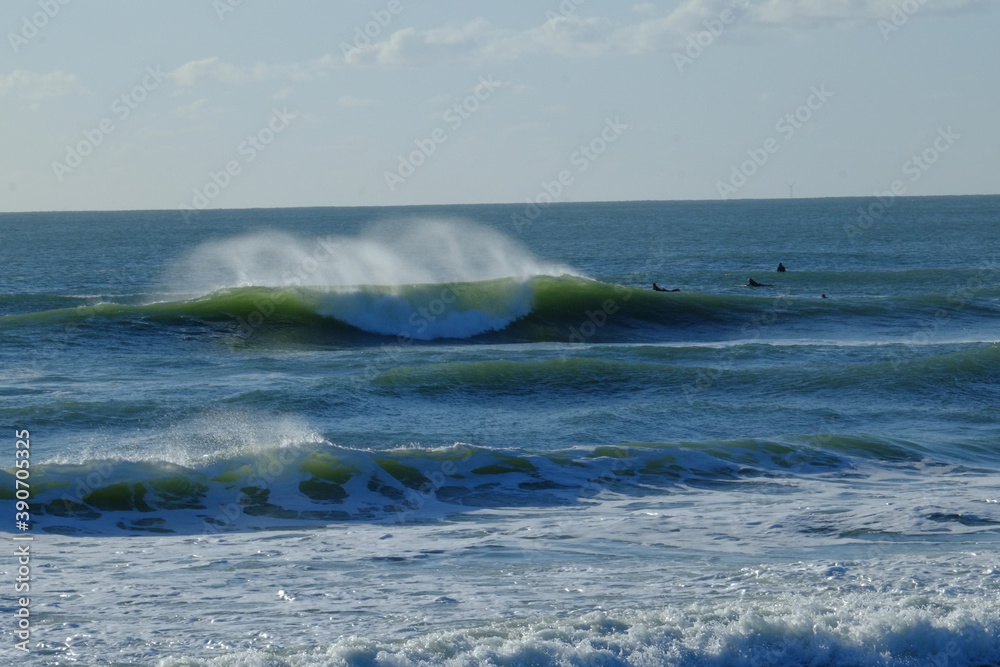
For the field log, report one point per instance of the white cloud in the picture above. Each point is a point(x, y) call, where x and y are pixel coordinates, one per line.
point(192, 111)
point(33, 87)
point(573, 36)
point(194, 72)
point(693, 16)
point(411, 46)
point(214, 70)
point(569, 36)
point(783, 11)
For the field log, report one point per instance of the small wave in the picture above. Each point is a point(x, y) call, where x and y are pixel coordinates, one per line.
point(317, 482)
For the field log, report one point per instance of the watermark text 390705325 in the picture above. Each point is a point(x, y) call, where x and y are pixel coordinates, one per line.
point(22, 543)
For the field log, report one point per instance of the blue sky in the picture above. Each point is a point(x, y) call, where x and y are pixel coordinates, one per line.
point(139, 105)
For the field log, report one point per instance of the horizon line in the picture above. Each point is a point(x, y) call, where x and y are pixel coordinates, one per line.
point(521, 203)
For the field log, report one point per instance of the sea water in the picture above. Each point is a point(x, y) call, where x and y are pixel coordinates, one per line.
point(474, 435)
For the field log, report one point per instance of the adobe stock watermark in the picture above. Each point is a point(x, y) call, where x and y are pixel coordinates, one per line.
point(121, 109)
point(580, 159)
point(786, 127)
point(900, 16)
point(565, 9)
point(247, 150)
point(454, 117)
point(915, 167)
point(22, 543)
point(363, 35)
point(32, 25)
point(696, 43)
point(223, 7)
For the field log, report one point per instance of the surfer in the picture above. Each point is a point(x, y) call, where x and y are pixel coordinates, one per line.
point(753, 283)
point(657, 288)
point(781, 267)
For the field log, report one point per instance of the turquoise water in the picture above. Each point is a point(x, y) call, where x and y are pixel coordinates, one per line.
point(461, 435)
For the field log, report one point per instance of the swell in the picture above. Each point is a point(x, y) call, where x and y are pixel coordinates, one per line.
point(539, 309)
point(319, 483)
point(743, 370)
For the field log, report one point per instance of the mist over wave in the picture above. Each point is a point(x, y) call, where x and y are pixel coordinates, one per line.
point(394, 279)
point(387, 254)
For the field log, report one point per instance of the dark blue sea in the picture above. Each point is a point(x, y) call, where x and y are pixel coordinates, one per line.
point(475, 435)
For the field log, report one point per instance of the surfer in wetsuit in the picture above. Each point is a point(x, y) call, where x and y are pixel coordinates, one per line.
point(781, 267)
point(657, 288)
point(753, 283)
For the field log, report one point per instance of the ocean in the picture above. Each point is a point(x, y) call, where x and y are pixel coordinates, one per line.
point(475, 435)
